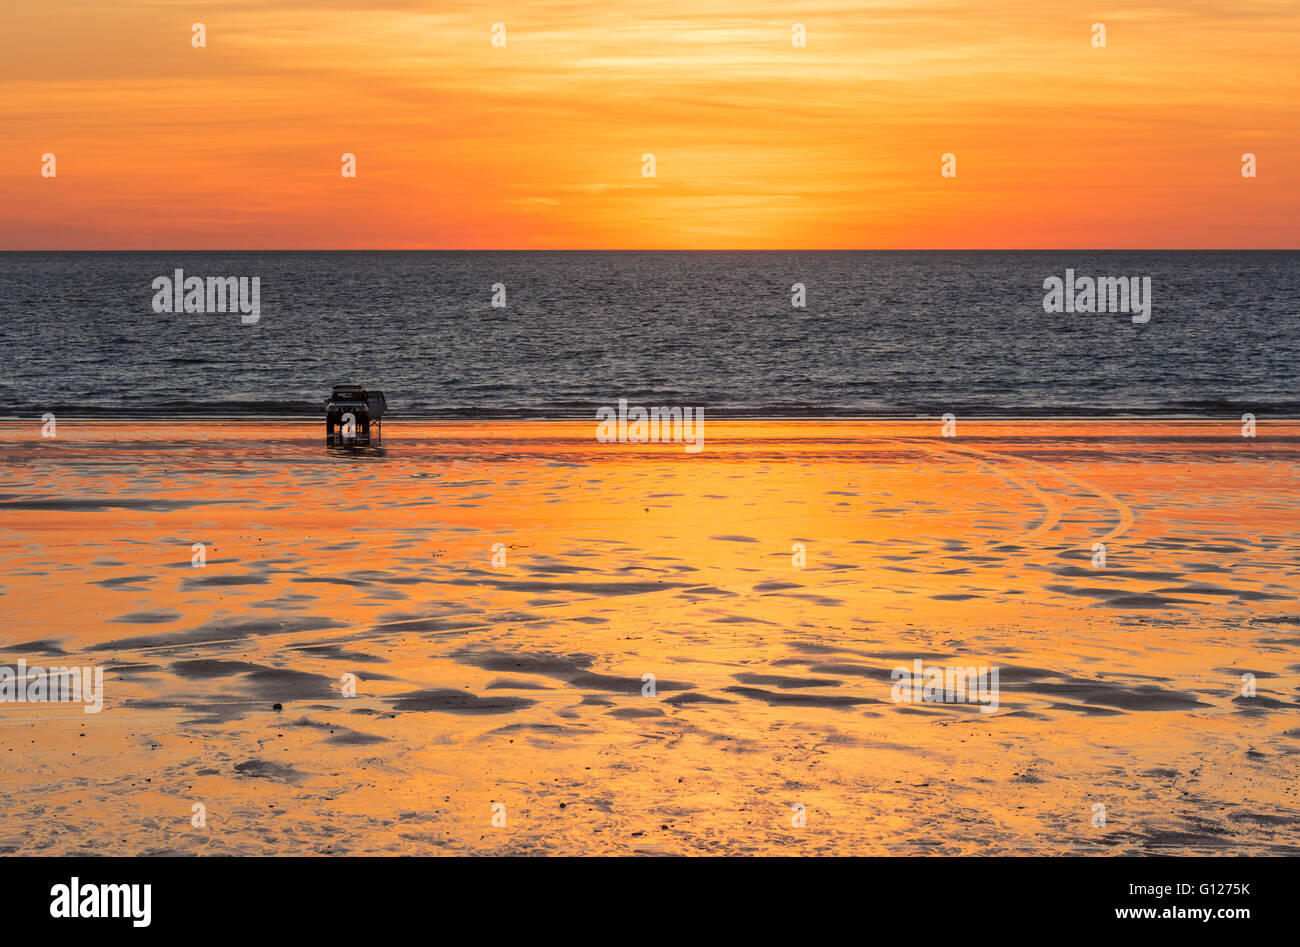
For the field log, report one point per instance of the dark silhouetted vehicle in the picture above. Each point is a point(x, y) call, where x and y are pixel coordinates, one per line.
point(352, 416)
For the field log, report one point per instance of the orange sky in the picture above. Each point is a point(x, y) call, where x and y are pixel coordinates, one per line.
point(758, 144)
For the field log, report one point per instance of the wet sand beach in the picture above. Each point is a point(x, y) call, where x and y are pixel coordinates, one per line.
point(496, 593)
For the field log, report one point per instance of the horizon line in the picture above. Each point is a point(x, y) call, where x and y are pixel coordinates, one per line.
point(659, 250)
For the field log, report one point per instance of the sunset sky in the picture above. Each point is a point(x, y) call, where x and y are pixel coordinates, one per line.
point(757, 144)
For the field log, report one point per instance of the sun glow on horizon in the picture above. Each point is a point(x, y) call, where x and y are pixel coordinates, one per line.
point(758, 143)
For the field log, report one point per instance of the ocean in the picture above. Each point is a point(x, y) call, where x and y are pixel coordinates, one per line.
point(883, 333)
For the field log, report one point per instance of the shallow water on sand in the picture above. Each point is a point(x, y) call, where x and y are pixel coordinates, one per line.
point(520, 682)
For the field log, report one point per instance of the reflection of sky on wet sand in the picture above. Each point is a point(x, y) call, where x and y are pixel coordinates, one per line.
point(523, 684)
